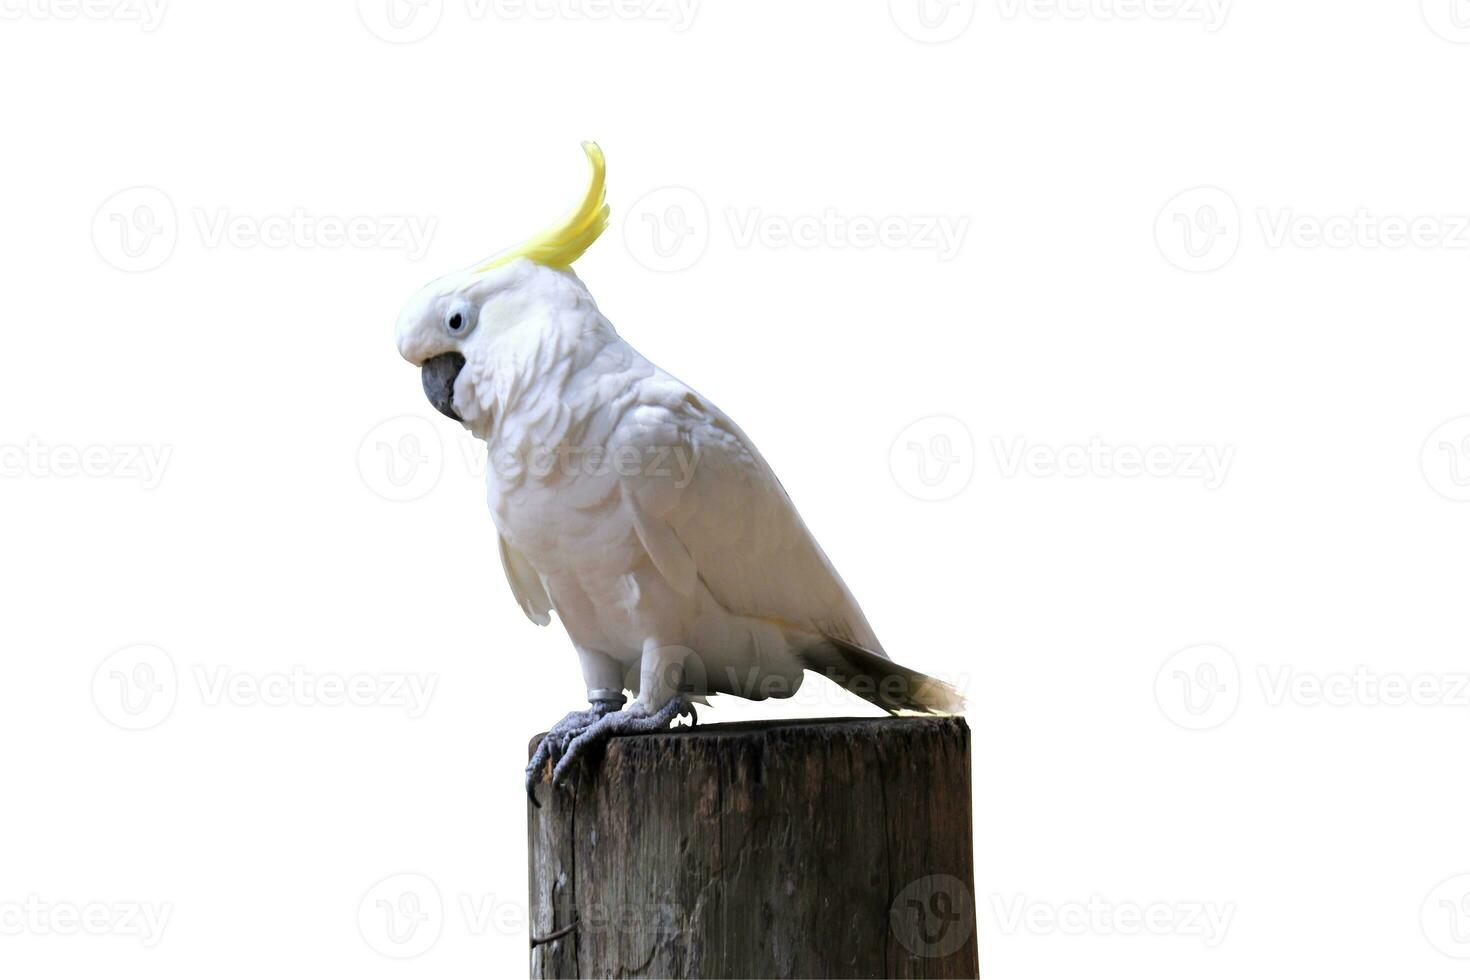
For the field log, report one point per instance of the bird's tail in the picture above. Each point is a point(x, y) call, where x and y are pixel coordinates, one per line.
point(873, 677)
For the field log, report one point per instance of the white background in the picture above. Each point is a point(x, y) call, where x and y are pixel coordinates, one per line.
point(309, 513)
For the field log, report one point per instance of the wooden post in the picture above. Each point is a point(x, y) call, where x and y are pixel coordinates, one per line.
point(776, 849)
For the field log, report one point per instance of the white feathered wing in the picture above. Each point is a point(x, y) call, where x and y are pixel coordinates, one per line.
point(729, 522)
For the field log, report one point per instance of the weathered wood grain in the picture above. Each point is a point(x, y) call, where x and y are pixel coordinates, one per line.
point(781, 849)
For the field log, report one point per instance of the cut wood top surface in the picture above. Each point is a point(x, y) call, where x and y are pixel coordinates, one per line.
point(817, 727)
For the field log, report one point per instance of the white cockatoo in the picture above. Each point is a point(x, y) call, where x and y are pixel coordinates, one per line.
point(633, 507)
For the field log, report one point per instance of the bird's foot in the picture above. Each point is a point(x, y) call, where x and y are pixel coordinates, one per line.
point(630, 721)
point(560, 735)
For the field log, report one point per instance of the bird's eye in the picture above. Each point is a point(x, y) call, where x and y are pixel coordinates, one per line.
point(459, 319)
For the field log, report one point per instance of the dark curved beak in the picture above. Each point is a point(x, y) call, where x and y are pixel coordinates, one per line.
point(438, 376)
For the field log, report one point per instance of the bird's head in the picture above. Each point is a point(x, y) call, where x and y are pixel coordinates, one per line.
point(459, 317)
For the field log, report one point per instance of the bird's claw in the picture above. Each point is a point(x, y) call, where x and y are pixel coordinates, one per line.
point(630, 721)
point(554, 743)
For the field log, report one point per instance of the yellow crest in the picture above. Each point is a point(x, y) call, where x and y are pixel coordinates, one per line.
point(564, 243)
